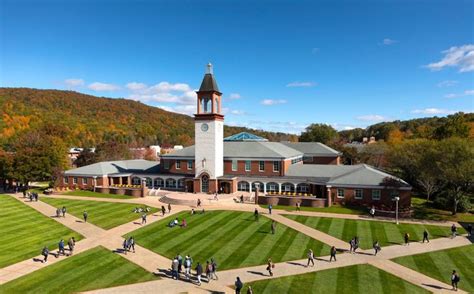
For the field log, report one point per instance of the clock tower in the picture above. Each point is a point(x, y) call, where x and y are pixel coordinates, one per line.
point(209, 135)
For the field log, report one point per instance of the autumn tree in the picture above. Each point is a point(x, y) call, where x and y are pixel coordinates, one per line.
point(113, 150)
point(86, 157)
point(455, 126)
point(319, 133)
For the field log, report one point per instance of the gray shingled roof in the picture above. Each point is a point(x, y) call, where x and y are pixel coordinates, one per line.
point(209, 84)
point(246, 150)
point(312, 148)
point(116, 167)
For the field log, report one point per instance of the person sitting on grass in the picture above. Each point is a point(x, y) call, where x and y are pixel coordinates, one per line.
point(184, 224)
point(192, 211)
point(173, 223)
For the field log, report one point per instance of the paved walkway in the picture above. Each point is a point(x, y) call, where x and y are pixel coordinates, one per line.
point(153, 262)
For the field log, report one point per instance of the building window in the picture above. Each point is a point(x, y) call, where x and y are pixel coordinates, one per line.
point(243, 186)
point(340, 193)
point(166, 164)
point(159, 182)
point(375, 194)
point(287, 187)
point(234, 165)
point(307, 158)
point(247, 165)
point(136, 181)
point(394, 194)
point(358, 193)
point(84, 181)
point(180, 183)
point(178, 164)
point(74, 180)
point(276, 166)
point(170, 183)
point(66, 180)
point(261, 166)
point(190, 164)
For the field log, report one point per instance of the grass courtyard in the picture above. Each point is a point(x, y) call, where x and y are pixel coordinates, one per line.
point(336, 208)
point(350, 279)
point(233, 238)
point(440, 264)
point(24, 231)
point(93, 269)
point(84, 193)
point(103, 214)
point(387, 233)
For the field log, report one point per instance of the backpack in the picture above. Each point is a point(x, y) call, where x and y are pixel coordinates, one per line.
point(458, 278)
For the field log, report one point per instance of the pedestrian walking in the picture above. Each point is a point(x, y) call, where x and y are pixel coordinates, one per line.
point(270, 209)
point(407, 239)
point(216, 197)
point(214, 269)
point(356, 244)
point(58, 212)
point(454, 231)
point(242, 198)
point(71, 243)
point(131, 244)
point(125, 246)
point(249, 290)
point(333, 253)
point(255, 213)
point(199, 202)
point(63, 210)
point(208, 271)
point(198, 273)
point(352, 244)
point(169, 207)
point(180, 263)
point(45, 253)
point(273, 227)
point(270, 266)
point(238, 285)
point(85, 215)
point(187, 267)
point(310, 258)
point(469, 230)
point(61, 248)
point(372, 211)
point(425, 236)
point(298, 206)
point(455, 280)
point(144, 218)
point(174, 268)
point(376, 247)
point(163, 210)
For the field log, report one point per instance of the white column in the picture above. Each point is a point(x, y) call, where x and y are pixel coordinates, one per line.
point(177, 184)
point(279, 187)
point(265, 188)
point(250, 187)
point(295, 187)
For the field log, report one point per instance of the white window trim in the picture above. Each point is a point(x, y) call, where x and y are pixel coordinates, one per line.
point(249, 165)
point(74, 180)
point(279, 166)
point(178, 164)
point(343, 193)
point(84, 181)
point(190, 167)
point(259, 166)
point(166, 164)
point(236, 167)
point(355, 194)
point(378, 197)
point(66, 180)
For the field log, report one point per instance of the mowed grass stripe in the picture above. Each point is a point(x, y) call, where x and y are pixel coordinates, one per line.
point(351, 279)
point(440, 264)
point(387, 233)
point(32, 231)
point(93, 269)
point(100, 213)
point(233, 238)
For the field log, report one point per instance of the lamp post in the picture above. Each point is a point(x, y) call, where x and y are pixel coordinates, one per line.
point(396, 207)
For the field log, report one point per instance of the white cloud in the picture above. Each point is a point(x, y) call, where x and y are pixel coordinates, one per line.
point(238, 112)
point(461, 57)
point(136, 86)
point(433, 111)
point(272, 101)
point(234, 96)
point(183, 109)
point(74, 82)
point(97, 86)
point(372, 117)
point(465, 93)
point(388, 41)
point(301, 84)
point(447, 83)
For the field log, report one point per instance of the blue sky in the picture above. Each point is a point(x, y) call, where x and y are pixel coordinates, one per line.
point(281, 65)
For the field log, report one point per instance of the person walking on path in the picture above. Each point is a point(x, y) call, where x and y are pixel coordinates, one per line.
point(238, 285)
point(125, 246)
point(71, 243)
point(208, 271)
point(131, 244)
point(180, 263)
point(333, 253)
point(144, 218)
point(376, 247)
point(255, 213)
point(61, 248)
point(270, 209)
point(455, 280)
point(270, 266)
point(453, 231)
point(273, 227)
point(352, 244)
point(425, 236)
point(187, 267)
point(163, 210)
point(58, 212)
point(407, 239)
point(169, 207)
point(174, 269)
point(199, 202)
point(63, 210)
point(198, 273)
point(214, 269)
point(310, 258)
point(45, 253)
point(298, 206)
point(469, 230)
point(372, 211)
point(85, 215)
point(356, 244)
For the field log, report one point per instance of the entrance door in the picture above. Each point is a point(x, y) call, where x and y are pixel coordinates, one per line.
point(205, 184)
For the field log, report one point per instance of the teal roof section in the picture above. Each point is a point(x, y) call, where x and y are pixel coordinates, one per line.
point(245, 137)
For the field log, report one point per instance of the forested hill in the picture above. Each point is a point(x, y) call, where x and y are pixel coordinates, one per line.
point(85, 120)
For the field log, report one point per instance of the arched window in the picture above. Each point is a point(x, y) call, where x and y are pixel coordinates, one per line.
point(260, 186)
point(287, 187)
point(206, 105)
point(272, 187)
point(216, 105)
point(180, 183)
point(243, 186)
point(302, 188)
point(205, 184)
point(159, 183)
point(149, 182)
point(170, 183)
point(136, 181)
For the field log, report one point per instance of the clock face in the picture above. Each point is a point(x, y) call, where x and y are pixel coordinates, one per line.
point(204, 127)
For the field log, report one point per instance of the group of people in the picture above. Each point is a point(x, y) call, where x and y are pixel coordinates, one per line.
point(175, 223)
point(140, 210)
point(163, 209)
point(354, 244)
point(128, 244)
point(33, 196)
point(178, 263)
point(61, 212)
point(61, 249)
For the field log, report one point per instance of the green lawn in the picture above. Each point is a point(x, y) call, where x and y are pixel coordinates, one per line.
point(95, 194)
point(349, 279)
point(440, 264)
point(333, 209)
point(423, 209)
point(24, 231)
point(387, 233)
point(103, 214)
point(233, 238)
point(93, 269)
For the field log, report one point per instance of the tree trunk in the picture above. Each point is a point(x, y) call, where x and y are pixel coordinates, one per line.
point(455, 208)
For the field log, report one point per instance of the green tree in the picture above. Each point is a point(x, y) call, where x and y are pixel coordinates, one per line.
point(113, 150)
point(319, 133)
point(86, 157)
point(455, 126)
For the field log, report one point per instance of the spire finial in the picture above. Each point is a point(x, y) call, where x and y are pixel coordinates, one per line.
point(209, 68)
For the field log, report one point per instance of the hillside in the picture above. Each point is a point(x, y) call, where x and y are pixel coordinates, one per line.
point(86, 120)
